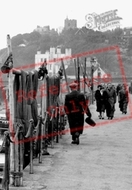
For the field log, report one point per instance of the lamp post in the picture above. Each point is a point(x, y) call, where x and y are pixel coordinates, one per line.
point(92, 61)
point(99, 74)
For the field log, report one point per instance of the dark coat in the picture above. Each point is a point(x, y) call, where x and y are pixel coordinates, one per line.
point(110, 100)
point(100, 104)
point(75, 108)
point(123, 96)
point(123, 100)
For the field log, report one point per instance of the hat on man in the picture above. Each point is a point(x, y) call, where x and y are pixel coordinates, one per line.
point(73, 85)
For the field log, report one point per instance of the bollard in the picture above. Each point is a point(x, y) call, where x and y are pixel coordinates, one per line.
point(18, 179)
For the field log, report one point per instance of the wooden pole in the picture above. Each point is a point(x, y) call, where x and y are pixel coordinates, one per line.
point(31, 148)
point(57, 124)
point(21, 152)
point(92, 83)
point(44, 108)
point(6, 177)
point(11, 117)
point(63, 66)
point(78, 74)
point(39, 138)
point(52, 128)
point(75, 64)
point(84, 77)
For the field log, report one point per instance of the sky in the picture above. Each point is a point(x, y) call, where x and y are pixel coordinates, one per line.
point(23, 16)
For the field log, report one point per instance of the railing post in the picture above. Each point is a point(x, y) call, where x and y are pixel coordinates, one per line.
point(6, 176)
point(57, 124)
point(31, 147)
point(52, 129)
point(20, 154)
point(29, 136)
point(39, 138)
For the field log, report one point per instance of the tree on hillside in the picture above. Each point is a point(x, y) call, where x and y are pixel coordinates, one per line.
point(31, 37)
point(17, 40)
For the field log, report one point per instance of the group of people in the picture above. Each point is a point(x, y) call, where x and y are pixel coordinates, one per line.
point(107, 95)
point(76, 105)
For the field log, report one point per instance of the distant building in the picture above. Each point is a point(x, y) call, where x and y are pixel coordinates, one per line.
point(51, 56)
point(43, 29)
point(127, 34)
point(59, 29)
point(68, 23)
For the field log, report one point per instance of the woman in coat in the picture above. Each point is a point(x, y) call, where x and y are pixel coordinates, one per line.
point(110, 100)
point(123, 99)
point(100, 105)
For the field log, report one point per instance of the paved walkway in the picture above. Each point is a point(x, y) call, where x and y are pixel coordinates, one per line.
point(102, 161)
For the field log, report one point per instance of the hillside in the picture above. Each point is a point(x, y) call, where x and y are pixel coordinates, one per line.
point(79, 41)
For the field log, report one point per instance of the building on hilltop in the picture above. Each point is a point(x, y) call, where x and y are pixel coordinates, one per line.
point(59, 29)
point(51, 57)
point(127, 34)
point(70, 23)
point(43, 29)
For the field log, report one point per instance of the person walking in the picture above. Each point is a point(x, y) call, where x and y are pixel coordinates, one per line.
point(123, 99)
point(100, 104)
point(110, 100)
point(75, 107)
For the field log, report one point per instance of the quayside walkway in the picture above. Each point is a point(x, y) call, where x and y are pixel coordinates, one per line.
point(102, 160)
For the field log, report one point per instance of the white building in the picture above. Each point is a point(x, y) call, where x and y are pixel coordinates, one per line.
point(43, 29)
point(53, 57)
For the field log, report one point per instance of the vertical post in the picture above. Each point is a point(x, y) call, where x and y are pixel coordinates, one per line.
point(31, 147)
point(39, 138)
point(44, 108)
point(92, 83)
point(62, 63)
point(11, 116)
point(99, 75)
point(20, 145)
point(84, 77)
point(78, 74)
point(75, 64)
point(52, 128)
point(6, 177)
point(57, 124)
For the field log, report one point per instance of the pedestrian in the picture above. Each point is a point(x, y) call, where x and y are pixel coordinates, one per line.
point(110, 100)
point(123, 99)
point(75, 107)
point(118, 88)
point(100, 104)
